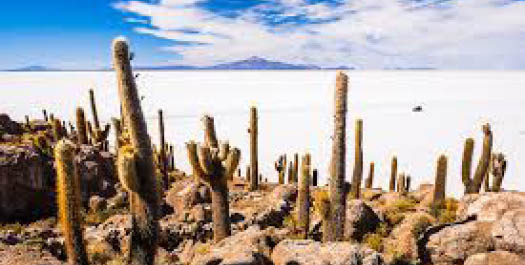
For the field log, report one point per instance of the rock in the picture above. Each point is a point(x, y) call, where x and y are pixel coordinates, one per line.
point(8, 126)
point(250, 247)
point(97, 203)
point(490, 206)
point(509, 232)
point(24, 171)
point(309, 252)
point(403, 239)
point(97, 172)
point(201, 213)
point(185, 194)
point(118, 201)
point(495, 258)
point(22, 254)
point(360, 219)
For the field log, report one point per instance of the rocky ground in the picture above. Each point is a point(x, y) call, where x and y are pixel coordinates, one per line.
point(381, 227)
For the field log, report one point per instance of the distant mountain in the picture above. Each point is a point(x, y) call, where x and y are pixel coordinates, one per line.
point(32, 68)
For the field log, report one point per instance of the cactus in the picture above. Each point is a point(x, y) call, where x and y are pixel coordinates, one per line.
point(280, 167)
point(162, 159)
point(290, 172)
point(358, 166)
point(69, 204)
point(441, 178)
point(393, 174)
point(172, 158)
point(57, 130)
point(408, 181)
point(473, 185)
point(370, 180)
point(117, 127)
point(295, 168)
point(303, 196)
point(322, 205)
point(254, 162)
point(99, 136)
point(46, 118)
point(144, 203)
point(81, 127)
point(337, 180)
point(401, 183)
point(314, 177)
point(498, 166)
point(214, 165)
point(94, 109)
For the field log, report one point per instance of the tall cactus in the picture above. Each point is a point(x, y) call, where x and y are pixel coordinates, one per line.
point(401, 181)
point(295, 167)
point(214, 165)
point(58, 132)
point(69, 204)
point(441, 178)
point(144, 200)
point(408, 181)
point(98, 135)
point(162, 160)
point(473, 185)
point(303, 196)
point(314, 177)
point(94, 112)
point(499, 166)
point(81, 126)
point(337, 180)
point(357, 176)
point(254, 162)
point(44, 112)
point(393, 174)
point(370, 180)
point(290, 173)
point(280, 167)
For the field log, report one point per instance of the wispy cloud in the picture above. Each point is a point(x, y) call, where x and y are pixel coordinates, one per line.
point(452, 34)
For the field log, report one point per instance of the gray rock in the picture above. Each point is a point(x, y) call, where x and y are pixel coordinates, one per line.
point(360, 219)
point(495, 258)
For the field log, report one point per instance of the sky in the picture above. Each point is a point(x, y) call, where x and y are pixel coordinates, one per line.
point(365, 34)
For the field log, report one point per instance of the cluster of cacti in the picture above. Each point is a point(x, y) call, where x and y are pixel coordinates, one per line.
point(358, 165)
point(69, 202)
point(393, 174)
point(135, 167)
point(369, 182)
point(441, 179)
point(98, 135)
point(473, 185)
point(213, 165)
point(337, 179)
point(303, 196)
point(280, 167)
point(254, 163)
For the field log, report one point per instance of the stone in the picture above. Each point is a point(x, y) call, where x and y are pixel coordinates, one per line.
point(9, 126)
point(360, 219)
point(185, 194)
point(403, 238)
point(490, 206)
point(509, 232)
point(495, 258)
point(97, 172)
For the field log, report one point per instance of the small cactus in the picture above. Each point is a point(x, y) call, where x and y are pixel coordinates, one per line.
point(69, 204)
point(370, 180)
point(337, 179)
point(303, 196)
point(46, 118)
point(162, 152)
point(144, 203)
point(214, 165)
point(280, 167)
point(358, 165)
point(393, 174)
point(498, 168)
point(295, 168)
point(322, 205)
point(441, 178)
point(254, 162)
point(290, 173)
point(248, 174)
point(407, 183)
point(474, 185)
point(58, 132)
point(401, 181)
point(98, 135)
point(81, 127)
point(314, 177)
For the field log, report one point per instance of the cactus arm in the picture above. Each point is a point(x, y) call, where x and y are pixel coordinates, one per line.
point(205, 160)
point(210, 137)
point(193, 159)
point(484, 160)
point(466, 163)
point(224, 150)
point(440, 181)
point(127, 171)
point(232, 161)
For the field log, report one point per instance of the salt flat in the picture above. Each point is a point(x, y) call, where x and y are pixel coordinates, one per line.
point(295, 110)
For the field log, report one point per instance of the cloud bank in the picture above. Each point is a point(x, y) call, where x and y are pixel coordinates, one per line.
point(366, 34)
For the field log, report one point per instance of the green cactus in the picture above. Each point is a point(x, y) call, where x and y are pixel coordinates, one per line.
point(498, 166)
point(303, 196)
point(473, 185)
point(254, 162)
point(369, 182)
point(393, 174)
point(290, 173)
point(214, 165)
point(295, 168)
point(81, 127)
point(357, 176)
point(280, 167)
point(337, 180)
point(69, 202)
point(144, 204)
point(441, 178)
point(162, 152)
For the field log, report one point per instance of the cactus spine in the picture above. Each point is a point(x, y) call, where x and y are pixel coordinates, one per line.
point(473, 185)
point(441, 178)
point(69, 205)
point(337, 180)
point(254, 163)
point(214, 165)
point(370, 180)
point(144, 202)
point(303, 196)
point(162, 158)
point(81, 126)
point(358, 166)
point(280, 167)
point(393, 174)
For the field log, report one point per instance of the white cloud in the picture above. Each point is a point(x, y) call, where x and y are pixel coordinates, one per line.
point(367, 33)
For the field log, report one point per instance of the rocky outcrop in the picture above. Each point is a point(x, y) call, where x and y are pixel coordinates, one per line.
point(494, 221)
point(7, 126)
point(403, 238)
point(97, 172)
point(26, 189)
point(309, 252)
point(185, 194)
point(360, 219)
point(495, 258)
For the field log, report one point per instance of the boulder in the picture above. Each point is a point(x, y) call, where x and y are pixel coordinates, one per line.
point(490, 206)
point(509, 232)
point(495, 258)
point(7, 126)
point(403, 238)
point(360, 219)
point(309, 252)
point(97, 172)
point(185, 194)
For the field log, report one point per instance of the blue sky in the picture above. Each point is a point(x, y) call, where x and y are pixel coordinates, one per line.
point(367, 34)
